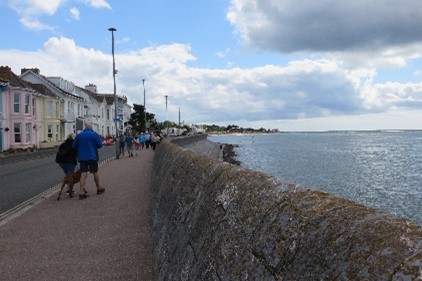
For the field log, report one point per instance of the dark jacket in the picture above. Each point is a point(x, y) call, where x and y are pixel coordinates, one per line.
point(66, 154)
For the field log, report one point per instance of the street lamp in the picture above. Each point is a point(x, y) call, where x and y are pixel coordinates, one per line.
point(167, 125)
point(112, 29)
point(145, 109)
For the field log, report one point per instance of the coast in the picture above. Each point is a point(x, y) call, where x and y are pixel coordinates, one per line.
point(217, 221)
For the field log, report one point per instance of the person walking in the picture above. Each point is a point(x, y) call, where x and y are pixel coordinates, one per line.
point(66, 158)
point(87, 144)
point(147, 139)
point(153, 141)
point(142, 140)
point(122, 144)
point(129, 144)
point(137, 146)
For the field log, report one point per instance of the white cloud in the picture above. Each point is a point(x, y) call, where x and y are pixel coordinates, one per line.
point(98, 4)
point(30, 11)
point(223, 54)
point(123, 41)
point(34, 24)
point(311, 89)
point(74, 12)
point(35, 7)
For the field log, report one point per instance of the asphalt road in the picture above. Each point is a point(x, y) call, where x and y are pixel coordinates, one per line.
point(25, 176)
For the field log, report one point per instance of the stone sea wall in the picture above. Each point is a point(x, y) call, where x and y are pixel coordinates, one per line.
point(216, 221)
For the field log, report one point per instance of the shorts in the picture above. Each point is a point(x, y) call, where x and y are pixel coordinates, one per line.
point(68, 168)
point(89, 166)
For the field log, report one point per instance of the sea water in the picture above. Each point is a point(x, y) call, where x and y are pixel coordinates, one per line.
point(380, 169)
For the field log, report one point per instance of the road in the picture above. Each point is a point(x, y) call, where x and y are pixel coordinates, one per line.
point(25, 176)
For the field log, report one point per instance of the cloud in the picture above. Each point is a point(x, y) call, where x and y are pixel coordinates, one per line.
point(75, 14)
point(35, 7)
point(98, 4)
point(316, 89)
point(30, 11)
point(223, 54)
point(34, 24)
point(386, 33)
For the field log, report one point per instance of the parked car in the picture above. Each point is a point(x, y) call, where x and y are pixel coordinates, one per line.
point(108, 141)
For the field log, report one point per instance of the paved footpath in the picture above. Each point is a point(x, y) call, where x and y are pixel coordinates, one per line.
point(103, 237)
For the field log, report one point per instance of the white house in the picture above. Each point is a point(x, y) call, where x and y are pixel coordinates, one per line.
point(67, 107)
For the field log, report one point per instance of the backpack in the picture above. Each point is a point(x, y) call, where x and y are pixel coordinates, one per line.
point(62, 153)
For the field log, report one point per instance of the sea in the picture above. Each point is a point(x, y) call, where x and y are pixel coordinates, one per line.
point(380, 169)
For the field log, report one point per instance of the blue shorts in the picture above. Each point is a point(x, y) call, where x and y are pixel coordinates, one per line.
point(89, 166)
point(68, 168)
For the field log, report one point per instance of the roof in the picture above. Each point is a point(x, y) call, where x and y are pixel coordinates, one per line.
point(48, 82)
point(110, 98)
point(95, 96)
point(7, 75)
point(41, 88)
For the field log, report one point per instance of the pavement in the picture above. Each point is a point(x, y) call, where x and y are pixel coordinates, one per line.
point(103, 237)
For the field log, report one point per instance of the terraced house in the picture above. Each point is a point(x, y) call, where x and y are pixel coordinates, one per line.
point(39, 112)
point(20, 112)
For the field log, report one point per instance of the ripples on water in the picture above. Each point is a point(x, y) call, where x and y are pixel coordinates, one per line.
point(379, 169)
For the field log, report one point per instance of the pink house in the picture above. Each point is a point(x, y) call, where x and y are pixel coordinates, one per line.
point(20, 112)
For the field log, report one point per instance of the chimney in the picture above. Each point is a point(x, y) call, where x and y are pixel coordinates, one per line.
point(35, 70)
point(91, 88)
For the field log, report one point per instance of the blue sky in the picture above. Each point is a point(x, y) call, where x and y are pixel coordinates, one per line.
point(295, 66)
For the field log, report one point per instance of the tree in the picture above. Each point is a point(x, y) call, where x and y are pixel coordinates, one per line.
point(137, 118)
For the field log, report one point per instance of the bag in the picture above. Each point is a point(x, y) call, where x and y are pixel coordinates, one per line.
point(62, 153)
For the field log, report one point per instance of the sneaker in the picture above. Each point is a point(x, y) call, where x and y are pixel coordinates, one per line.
point(100, 190)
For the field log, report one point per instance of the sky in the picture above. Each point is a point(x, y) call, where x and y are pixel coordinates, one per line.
point(276, 64)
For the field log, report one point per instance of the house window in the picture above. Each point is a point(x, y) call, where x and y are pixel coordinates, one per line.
point(34, 108)
point(27, 99)
point(50, 131)
point(17, 132)
point(16, 102)
point(49, 109)
point(108, 114)
point(28, 132)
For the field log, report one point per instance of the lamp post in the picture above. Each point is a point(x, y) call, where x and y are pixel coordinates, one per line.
point(112, 29)
point(145, 109)
point(167, 123)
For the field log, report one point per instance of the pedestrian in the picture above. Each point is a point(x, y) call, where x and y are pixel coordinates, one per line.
point(129, 144)
point(137, 147)
point(87, 144)
point(147, 139)
point(142, 140)
point(66, 157)
point(153, 141)
point(122, 144)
